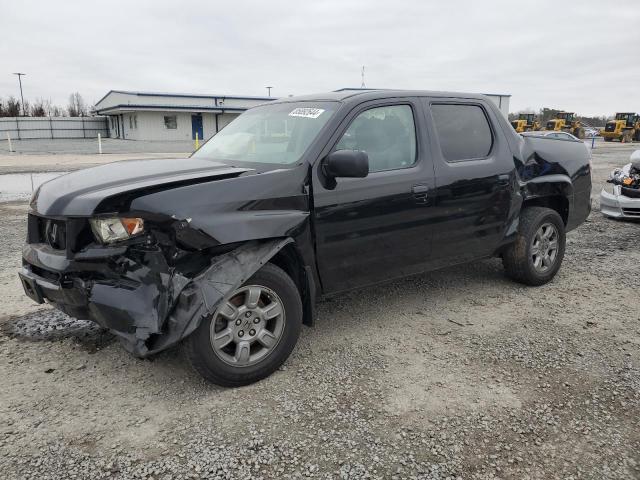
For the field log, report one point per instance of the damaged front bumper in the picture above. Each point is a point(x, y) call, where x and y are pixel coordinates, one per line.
point(147, 304)
point(616, 205)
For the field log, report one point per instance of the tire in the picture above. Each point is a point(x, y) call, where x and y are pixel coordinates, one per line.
point(233, 364)
point(519, 260)
point(579, 132)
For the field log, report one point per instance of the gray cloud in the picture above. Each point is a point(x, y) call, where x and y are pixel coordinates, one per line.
point(581, 56)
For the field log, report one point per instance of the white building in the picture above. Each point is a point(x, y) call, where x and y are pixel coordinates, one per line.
point(501, 101)
point(165, 116)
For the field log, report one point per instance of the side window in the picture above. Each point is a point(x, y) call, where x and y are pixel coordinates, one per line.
point(387, 134)
point(463, 131)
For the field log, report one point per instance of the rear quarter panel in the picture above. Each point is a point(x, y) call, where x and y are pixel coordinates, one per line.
point(549, 166)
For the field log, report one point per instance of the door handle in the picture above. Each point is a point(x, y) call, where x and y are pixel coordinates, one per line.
point(420, 193)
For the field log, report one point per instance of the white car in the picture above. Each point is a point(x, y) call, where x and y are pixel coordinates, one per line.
point(552, 134)
point(620, 197)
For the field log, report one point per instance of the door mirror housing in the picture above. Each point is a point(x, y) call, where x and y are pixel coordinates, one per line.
point(346, 164)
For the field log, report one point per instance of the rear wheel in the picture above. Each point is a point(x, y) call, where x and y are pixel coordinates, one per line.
point(251, 333)
point(536, 255)
point(579, 132)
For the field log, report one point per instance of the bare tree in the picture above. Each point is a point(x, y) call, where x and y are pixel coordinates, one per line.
point(12, 107)
point(38, 109)
point(56, 111)
point(77, 107)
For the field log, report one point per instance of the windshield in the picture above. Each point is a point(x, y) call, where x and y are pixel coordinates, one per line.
point(278, 133)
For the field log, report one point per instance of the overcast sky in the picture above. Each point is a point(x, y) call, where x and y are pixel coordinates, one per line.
point(582, 56)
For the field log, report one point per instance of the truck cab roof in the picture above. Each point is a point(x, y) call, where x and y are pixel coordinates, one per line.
point(358, 96)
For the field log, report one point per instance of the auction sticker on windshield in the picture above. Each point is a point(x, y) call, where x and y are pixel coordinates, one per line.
point(306, 112)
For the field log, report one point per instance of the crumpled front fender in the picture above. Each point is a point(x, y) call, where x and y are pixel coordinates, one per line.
point(201, 296)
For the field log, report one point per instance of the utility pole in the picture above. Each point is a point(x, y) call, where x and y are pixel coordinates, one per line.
point(20, 75)
point(362, 74)
point(268, 90)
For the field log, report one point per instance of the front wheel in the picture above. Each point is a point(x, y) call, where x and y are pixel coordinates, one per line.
point(536, 255)
point(251, 333)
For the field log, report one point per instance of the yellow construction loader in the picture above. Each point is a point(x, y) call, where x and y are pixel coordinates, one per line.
point(624, 127)
point(526, 122)
point(566, 122)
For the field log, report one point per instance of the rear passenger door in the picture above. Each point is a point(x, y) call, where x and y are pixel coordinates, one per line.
point(378, 227)
point(475, 179)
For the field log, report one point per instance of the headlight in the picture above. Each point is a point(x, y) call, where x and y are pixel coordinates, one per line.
point(115, 229)
point(611, 188)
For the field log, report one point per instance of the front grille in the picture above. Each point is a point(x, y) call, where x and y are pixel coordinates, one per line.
point(72, 234)
point(632, 212)
point(55, 233)
point(51, 231)
point(610, 127)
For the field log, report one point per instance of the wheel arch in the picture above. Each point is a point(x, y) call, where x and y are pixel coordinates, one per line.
point(552, 191)
point(559, 203)
point(291, 261)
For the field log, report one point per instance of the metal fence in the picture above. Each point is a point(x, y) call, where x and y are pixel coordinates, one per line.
point(23, 128)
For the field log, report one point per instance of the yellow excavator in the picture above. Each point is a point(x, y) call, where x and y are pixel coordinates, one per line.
point(624, 127)
point(526, 122)
point(566, 122)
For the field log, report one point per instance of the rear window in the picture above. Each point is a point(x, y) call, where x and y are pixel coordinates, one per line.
point(463, 131)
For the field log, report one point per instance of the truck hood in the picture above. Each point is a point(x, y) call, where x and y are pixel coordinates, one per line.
point(80, 193)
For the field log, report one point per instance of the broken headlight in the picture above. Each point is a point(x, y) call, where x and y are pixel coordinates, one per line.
point(115, 229)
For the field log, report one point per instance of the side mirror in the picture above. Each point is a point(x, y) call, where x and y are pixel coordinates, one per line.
point(346, 164)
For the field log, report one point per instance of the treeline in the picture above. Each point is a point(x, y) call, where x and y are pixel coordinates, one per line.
point(77, 107)
point(546, 114)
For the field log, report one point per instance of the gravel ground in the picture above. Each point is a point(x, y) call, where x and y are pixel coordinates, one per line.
point(456, 374)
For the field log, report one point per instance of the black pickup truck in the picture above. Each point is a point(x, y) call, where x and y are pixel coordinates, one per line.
point(228, 250)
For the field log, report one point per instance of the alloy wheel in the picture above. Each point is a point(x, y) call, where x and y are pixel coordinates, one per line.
point(248, 326)
point(544, 247)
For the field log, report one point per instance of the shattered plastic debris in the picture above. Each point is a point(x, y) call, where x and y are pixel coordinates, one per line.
point(628, 176)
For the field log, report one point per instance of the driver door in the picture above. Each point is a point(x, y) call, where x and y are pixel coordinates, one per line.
point(375, 228)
